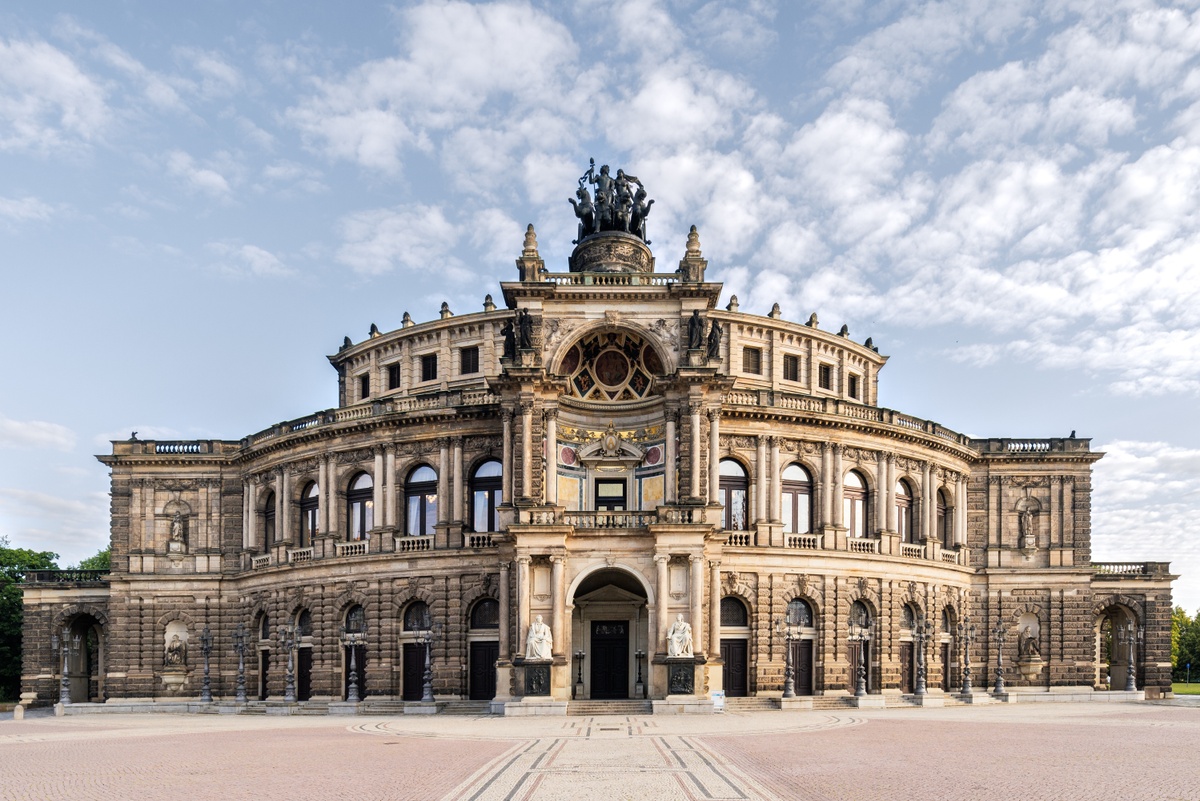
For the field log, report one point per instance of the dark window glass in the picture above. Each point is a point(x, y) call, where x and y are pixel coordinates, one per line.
point(752, 360)
point(904, 511)
point(796, 507)
point(264, 627)
point(945, 533)
point(310, 505)
point(416, 617)
point(364, 387)
point(791, 368)
point(825, 376)
point(486, 496)
point(361, 507)
point(356, 619)
point(852, 386)
point(486, 614)
point(854, 504)
point(610, 494)
point(859, 616)
point(799, 613)
point(393, 376)
point(268, 521)
point(429, 367)
point(733, 613)
point(468, 361)
point(733, 489)
point(421, 502)
point(304, 623)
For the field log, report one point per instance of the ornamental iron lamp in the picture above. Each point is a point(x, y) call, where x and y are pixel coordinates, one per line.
point(638, 656)
point(860, 633)
point(922, 630)
point(239, 648)
point(429, 637)
point(206, 646)
point(70, 647)
point(1127, 634)
point(353, 640)
point(999, 634)
point(788, 632)
point(966, 635)
point(579, 655)
point(287, 641)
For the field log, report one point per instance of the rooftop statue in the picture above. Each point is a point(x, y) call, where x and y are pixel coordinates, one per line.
point(620, 204)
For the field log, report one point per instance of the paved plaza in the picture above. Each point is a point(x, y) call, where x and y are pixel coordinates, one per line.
point(1024, 751)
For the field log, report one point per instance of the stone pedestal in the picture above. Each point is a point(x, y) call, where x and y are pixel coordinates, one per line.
point(930, 700)
point(974, 698)
point(18, 712)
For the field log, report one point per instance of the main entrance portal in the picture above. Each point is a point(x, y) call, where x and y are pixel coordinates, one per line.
point(609, 627)
point(610, 659)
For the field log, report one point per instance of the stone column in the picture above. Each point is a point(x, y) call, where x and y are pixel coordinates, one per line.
point(927, 503)
point(329, 499)
point(556, 601)
point(377, 495)
point(695, 421)
point(390, 497)
point(671, 453)
point(457, 476)
point(714, 454)
point(526, 449)
point(250, 493)
point(443, 491)
point(506, 458)
point(837, 486)
point(775, 492)
point(550, 483)
point(881, 480)
point(697, 592)
point(760, 512)
point(890, 508)
point(826, 484)
point(522, 601)
point(960, 511)
point(505, 610)
point(662, 593)
point(280, 506)
point(714, 607)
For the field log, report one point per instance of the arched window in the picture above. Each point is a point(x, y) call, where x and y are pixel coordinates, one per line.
point(797, 496)
point(945, 532)
point(733, 613)
point(361, 507)
point(486, 495)
point(734, 487)
point(356, 619)
point(268, 521)
point(421, 502)
point(310, 503)
point(799, 613)
point(854, 504)
point(304, 623)
point(859, 615)
point(908, 617)
point(904, 511)
point(486, 614)
point(417, 618)
point(264, 627)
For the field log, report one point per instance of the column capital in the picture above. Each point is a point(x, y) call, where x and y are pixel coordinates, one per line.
point(714, 564)
point(661, 558)
point(504, 566)
point(558, 558)
point(458, 440)
point(443, 443)
point(550, 412)
point(523, 560)
point(694, 558)
point(526, 406)
point(506, 415)
point(714, 415)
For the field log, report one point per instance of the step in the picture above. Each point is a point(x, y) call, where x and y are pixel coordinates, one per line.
point(619, 707)
point(751, 704)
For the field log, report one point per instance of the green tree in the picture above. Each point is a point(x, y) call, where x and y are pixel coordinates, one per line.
point(1179, 623)
point(1189, 648)
point(14, 562)
point(101, 561)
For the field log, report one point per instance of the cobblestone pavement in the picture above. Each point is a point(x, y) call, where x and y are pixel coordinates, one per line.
point(1096, 752)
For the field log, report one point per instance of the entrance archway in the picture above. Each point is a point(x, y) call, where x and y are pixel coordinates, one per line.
point(610, 626)
point(1114, 627)
point(85, 665)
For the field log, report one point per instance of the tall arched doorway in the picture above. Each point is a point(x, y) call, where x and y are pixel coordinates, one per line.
point(609, 625)
point(85, 657)
point(1116, 632)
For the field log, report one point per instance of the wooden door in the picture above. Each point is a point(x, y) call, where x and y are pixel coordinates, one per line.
point(908, 670)
point(414, 671)
point(802, 664)
point(733, 654)
point(610, 659)
point(947, 669)
point(483, 670)
point(264, 659)
point(360, 669)
point(304, 661)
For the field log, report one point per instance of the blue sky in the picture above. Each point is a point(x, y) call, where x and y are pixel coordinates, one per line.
point(197, 202)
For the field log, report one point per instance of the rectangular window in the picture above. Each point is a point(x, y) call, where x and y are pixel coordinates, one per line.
point(852, 386)
point(610, 494)
point(752, 360)
point(468, 360)
point(393, 376)
point(791, 368)
point(825, 376)
point(429, 367)
point(364, 387)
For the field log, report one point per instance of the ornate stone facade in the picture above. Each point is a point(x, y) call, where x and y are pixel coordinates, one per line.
point(585, 457)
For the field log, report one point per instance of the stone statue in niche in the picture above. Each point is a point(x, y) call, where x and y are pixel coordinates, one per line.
point(177, 528)
point(679, 638)
point(695, 331)
point(540, 642)
point(510, 339)
point(176, 653)
point(1026, 529)
point(714, 340)
point(1027, 647)
point(524, 330)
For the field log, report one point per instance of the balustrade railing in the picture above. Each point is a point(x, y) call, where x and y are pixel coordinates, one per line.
point(63, 576)
point(299, 555)
point(413, 544)
point(950, 557)
point(677, 515)
point(1124, 568)
point(740, 539)
point(259, 562)
point(356, 548)
point(480, 541)
point(802, 541)
point(608, 520)
point(911, 551)
point(863, 546)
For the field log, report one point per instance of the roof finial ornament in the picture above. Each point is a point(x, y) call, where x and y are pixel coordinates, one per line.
point(446, 310)
point(776, 312)
point(733, 304)
point(530, 250)
point(844, 331)
point(346, 343)
point(407, 321)
point(374, 332)
point(488, 304)
point(812, 320)
point(693, 242)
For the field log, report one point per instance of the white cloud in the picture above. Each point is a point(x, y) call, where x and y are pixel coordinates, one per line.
point(242, 259)
point(412, 237)
point(35, 434)
point(47, 102)
point(72, 527)
point(204, 179)
point(25, 209)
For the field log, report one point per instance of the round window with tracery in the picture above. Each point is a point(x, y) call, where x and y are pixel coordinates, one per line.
point(611, 366)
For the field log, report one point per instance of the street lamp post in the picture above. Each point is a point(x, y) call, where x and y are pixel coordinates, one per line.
point(287, 641)
point(206, 646)
point(239, 648)
point(966, 636)
point(788, 632)
point(352, 640)
point(999, 634)
point(1128, 633)
point(429, 636)
point(860, 633)
point(70, 647)
point(638, 656)
point(921, 631)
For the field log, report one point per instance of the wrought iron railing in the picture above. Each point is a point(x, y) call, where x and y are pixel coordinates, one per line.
point(68, 576)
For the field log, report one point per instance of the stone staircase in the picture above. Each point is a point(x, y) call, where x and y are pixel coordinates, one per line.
point(623, 707)
point(751, 704)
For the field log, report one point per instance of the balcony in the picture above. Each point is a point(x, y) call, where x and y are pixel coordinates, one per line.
point(1124, 570)
point(300, 555)
point(412, 544)
point(356, 548)
point(65, 576)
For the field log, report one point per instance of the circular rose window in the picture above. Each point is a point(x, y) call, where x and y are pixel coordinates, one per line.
point(612, 368)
